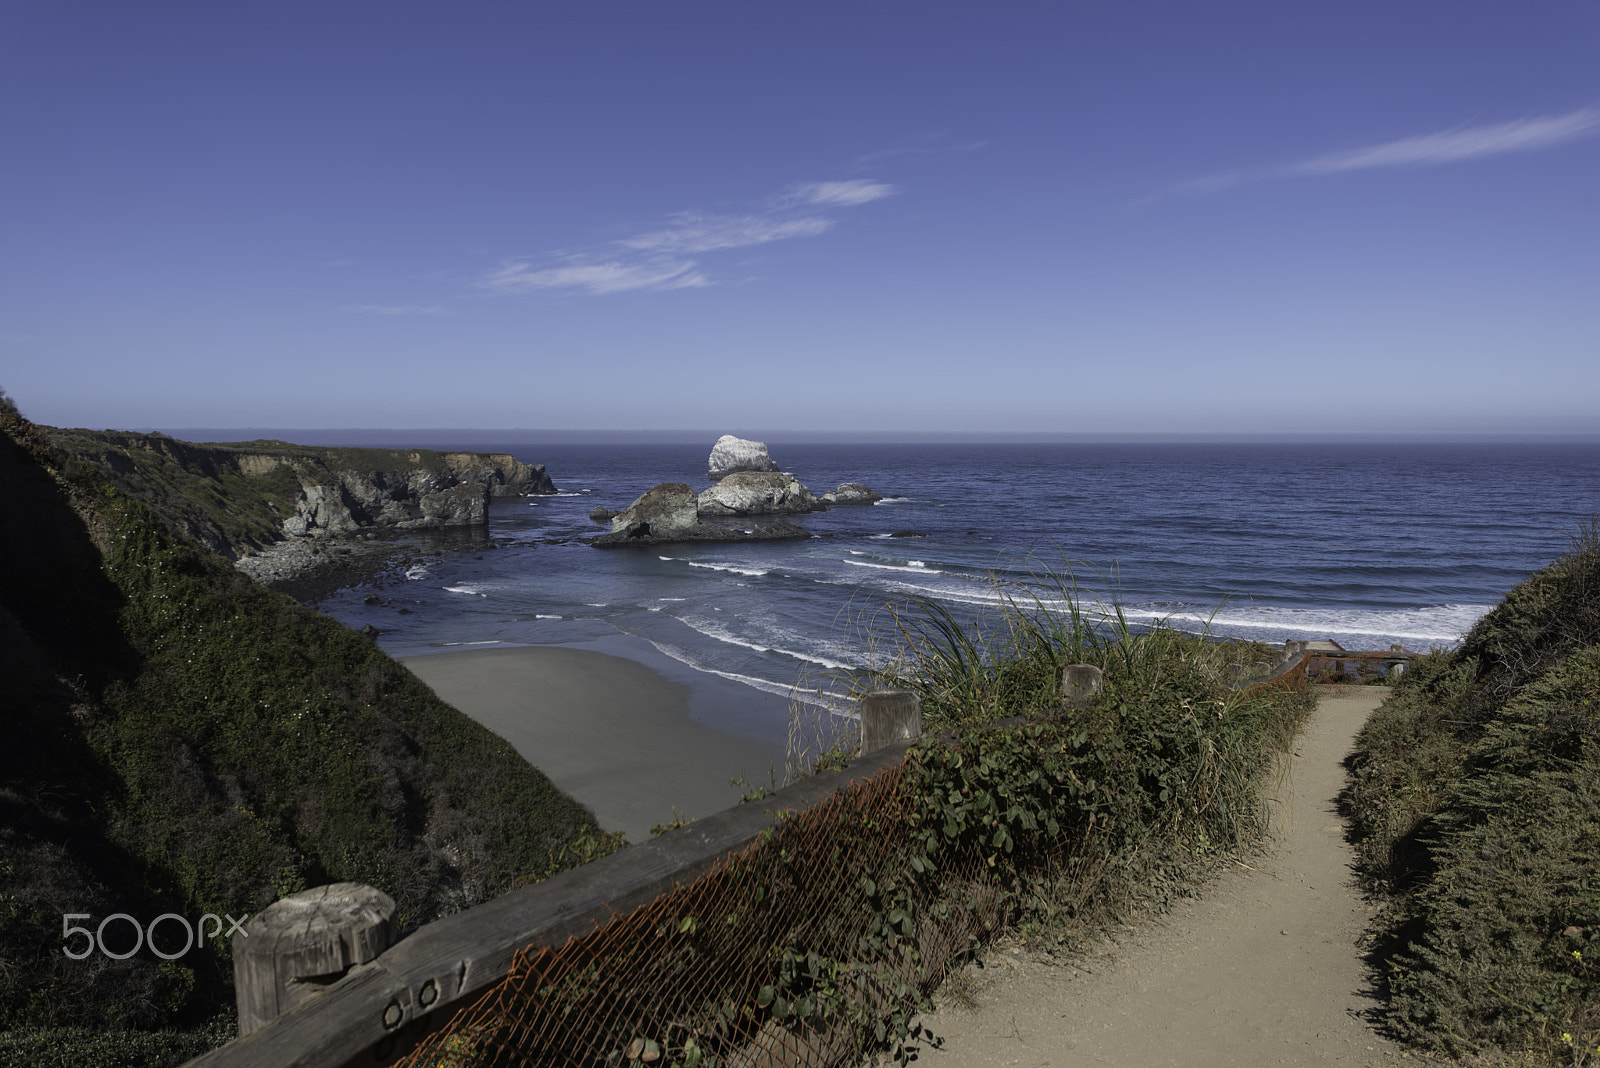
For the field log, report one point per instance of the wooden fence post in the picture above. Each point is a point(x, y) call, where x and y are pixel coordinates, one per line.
point(300, 944)
point(889, 717)
point(1079, 682)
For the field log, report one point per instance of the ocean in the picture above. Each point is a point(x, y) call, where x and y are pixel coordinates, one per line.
point(1367, 544)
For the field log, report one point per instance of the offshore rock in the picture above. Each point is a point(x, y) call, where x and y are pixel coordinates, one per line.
point(757, 493)
point(731, 454)
point(851, 493)
point(670, 513)
point(668, 510)
point(775, 531)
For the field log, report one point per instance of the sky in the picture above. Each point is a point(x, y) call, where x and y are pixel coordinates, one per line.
point(864, 217)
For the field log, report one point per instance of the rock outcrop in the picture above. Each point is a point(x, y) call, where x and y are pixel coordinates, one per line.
point(423, 491)
point(851, 493)
point(504, 474)
point(396, 501)
point(671, 512)
point(757, 493)
point(746, 482)
point(663, 513)
point(241, 498)
point(731, 454)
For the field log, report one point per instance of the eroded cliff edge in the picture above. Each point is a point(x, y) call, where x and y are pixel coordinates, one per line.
point(273, 507)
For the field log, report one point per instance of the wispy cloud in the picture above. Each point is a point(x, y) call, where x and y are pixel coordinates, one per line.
point(1523, 135)
point(612, 277)
point(693, 231)
point(660, 258)
point(844, 194)
point(398, 309)
point(1424, 150)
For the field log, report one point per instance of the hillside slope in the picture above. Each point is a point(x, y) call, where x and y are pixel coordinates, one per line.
point(1476, 793)
point(180, 739)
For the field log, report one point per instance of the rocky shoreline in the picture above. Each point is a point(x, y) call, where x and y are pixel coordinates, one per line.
point(310, 569)
point(308, 520)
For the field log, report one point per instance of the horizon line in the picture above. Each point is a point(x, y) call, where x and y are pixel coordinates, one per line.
point(530, 435)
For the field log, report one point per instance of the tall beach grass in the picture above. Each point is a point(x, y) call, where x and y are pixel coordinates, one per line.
point(1005, 659)
point(1181, 760)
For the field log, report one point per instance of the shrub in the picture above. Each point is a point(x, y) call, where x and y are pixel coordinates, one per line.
point(1173, 754)
point(1475, 793)
point(1539, 624)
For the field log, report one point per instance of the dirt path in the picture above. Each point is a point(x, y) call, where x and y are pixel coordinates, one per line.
point(1263, 969)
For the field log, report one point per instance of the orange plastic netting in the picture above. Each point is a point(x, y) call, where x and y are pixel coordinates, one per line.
point(806, 947)
point(796, 950)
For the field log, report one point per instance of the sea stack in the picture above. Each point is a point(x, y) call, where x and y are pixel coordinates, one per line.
point(664, 513)
point(732, 454)
point(757, 493)
point(746, 482)
point(670, 512)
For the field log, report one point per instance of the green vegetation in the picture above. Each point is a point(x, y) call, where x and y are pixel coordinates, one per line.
point(233, 498)
point(828, 935)
point(1151, 780)
point(181, 740)
point(1475, 790)
point(227, 497)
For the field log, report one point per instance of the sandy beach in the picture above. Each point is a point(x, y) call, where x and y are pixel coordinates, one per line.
point(623, 737)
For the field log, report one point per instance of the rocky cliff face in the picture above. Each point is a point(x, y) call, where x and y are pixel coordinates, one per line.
point(504, 474)
point(240, 498)
point(417, 500)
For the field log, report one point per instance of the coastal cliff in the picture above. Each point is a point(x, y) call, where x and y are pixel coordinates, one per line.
point(237, 498)
point(181, 740)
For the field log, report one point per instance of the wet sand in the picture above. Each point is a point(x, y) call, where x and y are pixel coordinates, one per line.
point(620, 736)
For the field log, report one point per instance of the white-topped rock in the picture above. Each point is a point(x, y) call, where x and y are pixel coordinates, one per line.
point(757, 493)
point(732, 454)
point(670, 512)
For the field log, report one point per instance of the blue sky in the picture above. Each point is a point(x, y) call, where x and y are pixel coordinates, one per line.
point(1070, 217)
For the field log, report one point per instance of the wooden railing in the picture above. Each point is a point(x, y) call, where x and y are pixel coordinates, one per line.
point(317, 998)
point(380, 1008)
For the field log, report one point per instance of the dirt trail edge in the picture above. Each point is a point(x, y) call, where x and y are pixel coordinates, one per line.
point(1262, 969)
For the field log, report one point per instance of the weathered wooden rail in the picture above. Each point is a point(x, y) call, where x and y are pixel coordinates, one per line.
point(381, 1007)
point(319, 986)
